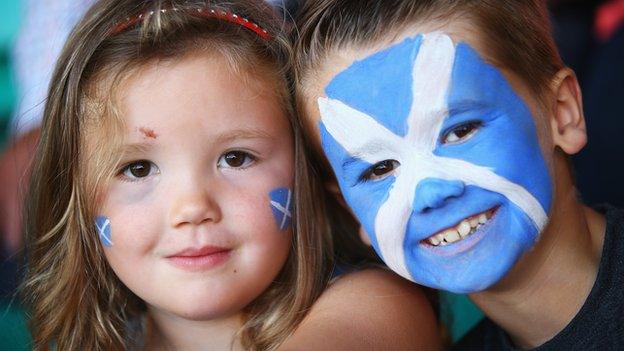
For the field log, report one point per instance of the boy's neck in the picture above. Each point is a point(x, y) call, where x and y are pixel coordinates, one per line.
point(549, 285)
point(169, 332)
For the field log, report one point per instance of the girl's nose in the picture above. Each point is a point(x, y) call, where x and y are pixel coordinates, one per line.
point(432, 193)
point(194, 208)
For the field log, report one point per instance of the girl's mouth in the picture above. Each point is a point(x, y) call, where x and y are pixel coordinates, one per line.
point(460, 231)
point(199, 259)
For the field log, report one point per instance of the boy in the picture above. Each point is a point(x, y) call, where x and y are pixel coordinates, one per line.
point(446, 126)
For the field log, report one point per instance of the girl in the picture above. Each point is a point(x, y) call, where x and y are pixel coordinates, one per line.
point(161, 213)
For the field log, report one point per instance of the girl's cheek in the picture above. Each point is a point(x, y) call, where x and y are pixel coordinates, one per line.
point(124, 193)
point(259, 181)
point(133, 231)
point(257, 209)
point(127, 208)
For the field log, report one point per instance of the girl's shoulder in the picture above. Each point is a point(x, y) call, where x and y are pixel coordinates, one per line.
point(370, 309)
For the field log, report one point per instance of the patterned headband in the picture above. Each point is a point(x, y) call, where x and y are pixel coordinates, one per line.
point(197, 12)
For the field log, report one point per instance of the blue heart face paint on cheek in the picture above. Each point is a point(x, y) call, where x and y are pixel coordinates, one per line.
point(470, 190)
point(103, 227)
point(282, 207)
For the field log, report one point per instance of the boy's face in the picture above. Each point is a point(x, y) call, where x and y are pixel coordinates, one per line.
point(439, 159)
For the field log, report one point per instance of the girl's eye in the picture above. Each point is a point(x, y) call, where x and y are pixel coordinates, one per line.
point(381, 170)
point(139, 169)
point(235, 159)
point(461, 133)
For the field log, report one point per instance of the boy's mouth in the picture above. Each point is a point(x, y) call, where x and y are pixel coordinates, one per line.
point(460, 231)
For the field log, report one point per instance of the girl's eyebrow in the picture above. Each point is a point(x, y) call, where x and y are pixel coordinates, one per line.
point(237, 134)
point(244, 133)
point(135, 148)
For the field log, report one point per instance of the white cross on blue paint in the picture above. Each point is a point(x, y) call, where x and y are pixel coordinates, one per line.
point(399, 105)
point(281, 205)
point(102, 224)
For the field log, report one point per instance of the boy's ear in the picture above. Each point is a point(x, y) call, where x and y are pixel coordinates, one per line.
point(568, 121)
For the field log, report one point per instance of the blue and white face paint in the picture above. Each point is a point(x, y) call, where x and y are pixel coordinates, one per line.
point(440, 161)
point(282, 207)
point(103, 227)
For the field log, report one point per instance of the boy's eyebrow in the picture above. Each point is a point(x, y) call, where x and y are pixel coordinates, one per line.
point(361, 154)
point(349, 160)
point(465, 106)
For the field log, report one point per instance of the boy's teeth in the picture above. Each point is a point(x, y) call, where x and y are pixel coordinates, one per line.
point(464, 229)
point(440, 237)
point(482, 218)
point(473, 222)
point(451, 236)
point(434, 240)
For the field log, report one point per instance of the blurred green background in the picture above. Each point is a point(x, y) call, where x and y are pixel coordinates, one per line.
point(9, 23)
point(13, 332)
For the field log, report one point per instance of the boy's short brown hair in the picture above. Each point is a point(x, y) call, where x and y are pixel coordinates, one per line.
point(517, 32)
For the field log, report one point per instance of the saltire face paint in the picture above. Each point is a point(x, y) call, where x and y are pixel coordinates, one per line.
point(103, 227)
point(407, 104)
point(282, 207)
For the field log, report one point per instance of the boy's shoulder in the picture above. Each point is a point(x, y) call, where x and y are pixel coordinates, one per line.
point(599, 324)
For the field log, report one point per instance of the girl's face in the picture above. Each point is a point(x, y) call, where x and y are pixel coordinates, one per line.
point(439, 158)
point(196, 221)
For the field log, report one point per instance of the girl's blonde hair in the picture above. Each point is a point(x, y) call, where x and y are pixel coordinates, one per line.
point(75, 300)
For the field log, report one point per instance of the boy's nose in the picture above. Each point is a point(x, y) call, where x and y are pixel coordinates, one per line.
point(432, 193)
point(194, 207)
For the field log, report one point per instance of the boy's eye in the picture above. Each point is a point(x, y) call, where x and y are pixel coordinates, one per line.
point(235, 159)
point(139, 169)
point(461, 133)
point(380, 170)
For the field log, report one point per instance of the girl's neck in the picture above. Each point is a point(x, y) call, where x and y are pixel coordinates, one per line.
point(169, 332)
point(545, 290)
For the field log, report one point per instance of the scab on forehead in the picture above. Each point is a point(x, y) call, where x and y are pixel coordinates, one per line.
point(148, 133)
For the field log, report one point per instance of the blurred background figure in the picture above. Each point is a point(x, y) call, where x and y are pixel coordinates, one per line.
point(32, 33)
point(43, 28)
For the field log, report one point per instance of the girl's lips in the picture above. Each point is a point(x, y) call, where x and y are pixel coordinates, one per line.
point(199, 259)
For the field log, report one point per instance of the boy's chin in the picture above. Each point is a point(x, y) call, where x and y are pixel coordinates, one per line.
point(476, 263)
point(470, 273)
point(473, 285)
point(462, 282)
